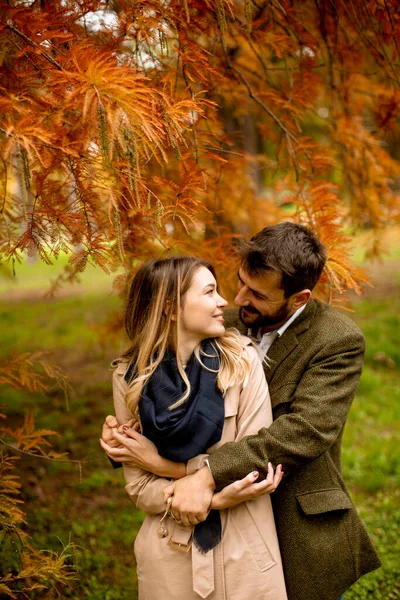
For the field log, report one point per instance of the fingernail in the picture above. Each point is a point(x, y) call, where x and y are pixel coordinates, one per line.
point(255, 474)
point(124, 427)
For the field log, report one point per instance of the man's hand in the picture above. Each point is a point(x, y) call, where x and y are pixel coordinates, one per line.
point(192, 496)
point(247, 488)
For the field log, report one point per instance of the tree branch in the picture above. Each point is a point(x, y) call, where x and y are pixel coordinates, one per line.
point(35, 45)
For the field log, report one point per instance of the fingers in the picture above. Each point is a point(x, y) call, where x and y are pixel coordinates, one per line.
point(249, 479)
point(270, 474)
point(278, 476)
point(131, 423)
point(132, 433)
point(109, 450)
point(122, 438)
point(111, 421)
point(184, 519)
point(168, 491)
point(117, 453)
point(273, 479)
point(248, 488)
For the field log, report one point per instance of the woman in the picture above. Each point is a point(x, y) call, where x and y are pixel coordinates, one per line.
point(193, 386)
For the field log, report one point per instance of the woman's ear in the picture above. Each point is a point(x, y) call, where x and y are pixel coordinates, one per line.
point(167, 310)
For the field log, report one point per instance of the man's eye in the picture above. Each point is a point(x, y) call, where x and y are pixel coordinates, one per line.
point(257, 296)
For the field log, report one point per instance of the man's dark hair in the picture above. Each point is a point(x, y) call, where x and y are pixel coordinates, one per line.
point(288, 249)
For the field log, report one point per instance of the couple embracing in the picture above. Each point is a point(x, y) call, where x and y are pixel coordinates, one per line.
point(216, 410)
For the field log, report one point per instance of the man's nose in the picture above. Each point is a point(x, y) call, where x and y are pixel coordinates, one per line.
point(241, 298)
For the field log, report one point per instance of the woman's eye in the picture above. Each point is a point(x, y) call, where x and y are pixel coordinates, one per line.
point(210, 292)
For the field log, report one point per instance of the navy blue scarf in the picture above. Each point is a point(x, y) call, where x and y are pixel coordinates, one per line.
point(192, 427)
point(195, 425)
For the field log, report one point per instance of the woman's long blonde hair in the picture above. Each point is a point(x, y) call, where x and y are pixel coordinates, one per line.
point(152, 315)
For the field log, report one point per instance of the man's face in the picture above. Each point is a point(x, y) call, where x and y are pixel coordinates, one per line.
point(262, 301)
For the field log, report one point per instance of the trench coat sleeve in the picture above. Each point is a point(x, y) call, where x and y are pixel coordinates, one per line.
point(254, 409)
point(318, 411)
point(194, 464)
point(145, 489)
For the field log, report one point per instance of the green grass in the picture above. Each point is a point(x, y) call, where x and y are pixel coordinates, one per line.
point(371, 446)
point(34, 275)
point(89, 506)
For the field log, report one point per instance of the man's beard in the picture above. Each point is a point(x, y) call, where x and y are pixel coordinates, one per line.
point(255, 320)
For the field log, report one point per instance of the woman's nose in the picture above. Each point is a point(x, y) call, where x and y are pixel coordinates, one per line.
point(221, 301)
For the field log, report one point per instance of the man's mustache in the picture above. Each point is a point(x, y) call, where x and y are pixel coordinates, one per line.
point(250, 309)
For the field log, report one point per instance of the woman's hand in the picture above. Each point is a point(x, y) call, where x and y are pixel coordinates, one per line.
point(111, 424)
point(247, 488)
point(129, 446)
point(136, 450)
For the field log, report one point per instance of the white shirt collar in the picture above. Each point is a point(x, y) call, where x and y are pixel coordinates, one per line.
point(294, 316)
point(266, 339)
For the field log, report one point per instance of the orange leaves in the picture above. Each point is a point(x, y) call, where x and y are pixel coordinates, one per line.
point(29, 439)
point(24, 568)
point(176, 121)
point(315, 202)
point(31, 371)
point(92, 78)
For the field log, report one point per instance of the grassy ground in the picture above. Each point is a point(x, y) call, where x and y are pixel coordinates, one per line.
point(91, 509)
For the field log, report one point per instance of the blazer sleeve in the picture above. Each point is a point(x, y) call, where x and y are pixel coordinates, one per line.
point(145, 489)
point(318, 411)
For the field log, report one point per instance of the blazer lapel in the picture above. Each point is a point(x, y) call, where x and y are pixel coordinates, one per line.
point(286, 343)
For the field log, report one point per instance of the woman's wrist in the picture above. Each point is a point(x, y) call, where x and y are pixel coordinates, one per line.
point(170, 469)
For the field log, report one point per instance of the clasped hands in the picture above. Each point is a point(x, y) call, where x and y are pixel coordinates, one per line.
point(192, 495)
point(124, 443)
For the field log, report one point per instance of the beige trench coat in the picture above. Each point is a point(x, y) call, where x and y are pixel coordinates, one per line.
point(247, 563)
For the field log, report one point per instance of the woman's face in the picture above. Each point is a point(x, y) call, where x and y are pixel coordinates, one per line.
point(202, 309)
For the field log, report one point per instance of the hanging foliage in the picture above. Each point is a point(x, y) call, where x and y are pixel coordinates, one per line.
point(23, 568)
point(133, 129)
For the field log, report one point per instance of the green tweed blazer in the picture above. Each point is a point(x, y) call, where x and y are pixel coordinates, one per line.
point(313, 373)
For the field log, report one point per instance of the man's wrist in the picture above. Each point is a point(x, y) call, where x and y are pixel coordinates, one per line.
point(206, 477)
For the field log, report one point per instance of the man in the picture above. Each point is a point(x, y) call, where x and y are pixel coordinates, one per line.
point(315, 358)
